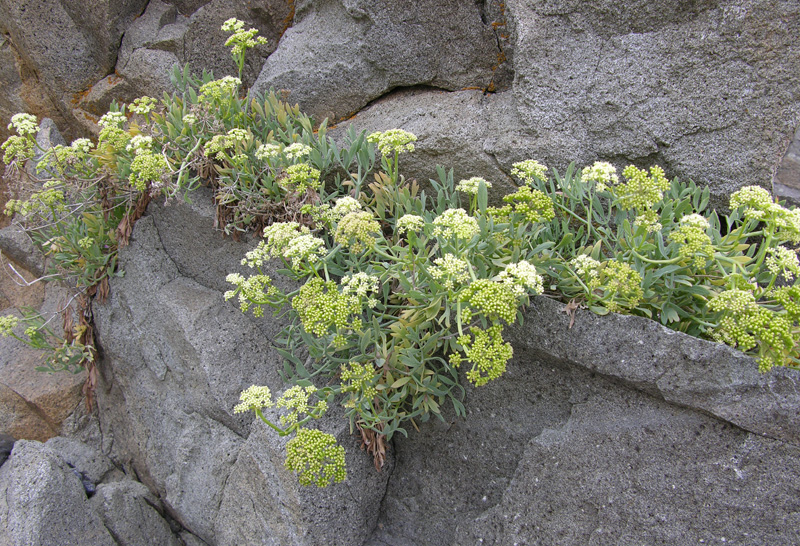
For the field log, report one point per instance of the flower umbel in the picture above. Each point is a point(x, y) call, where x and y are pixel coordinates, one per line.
point(253, 398)
point(316, 458)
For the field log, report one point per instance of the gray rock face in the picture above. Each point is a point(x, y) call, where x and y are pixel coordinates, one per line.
point(167, 394)
point(126, 508)
point(707, 89)
point(43, 503)
point(581, 441)
point(339, 55)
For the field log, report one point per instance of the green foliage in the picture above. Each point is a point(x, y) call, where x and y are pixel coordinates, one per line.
point(61, 355)
point(404, 295)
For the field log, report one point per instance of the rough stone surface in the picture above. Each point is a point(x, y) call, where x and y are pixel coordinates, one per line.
point(473, 133)
point(556, 454)
point(33, 405)
point(129, 511)
point(6, 445)
point(787, 180)
point(707, 89)
point(16, 245)
point(30, 481)
point(628, 469)
point(339, 55)
point(289, 513)
point(683, 370)
point(85, 459)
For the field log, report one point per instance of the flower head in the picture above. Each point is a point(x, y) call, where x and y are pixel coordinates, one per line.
point(529, 170)
point(393, 140)
point(143, 105)
point(357, 231)
point(492, 299)
point(7, 325)
point(301, 177)
point(641, 191)
point(488, 352)
point(782, 261)
point(455, 223)
point(534, 204)
point(254, 398)
point(295, 401)
point(316, 458)
point(450, 270)
point(24, 124)
point(217, 89)
point(147, 168)
point(409, 223)
point(603, 174)
point(112, 119)
point(140, 144)
point(520, 278)
point(297, 150)
point(471, 185)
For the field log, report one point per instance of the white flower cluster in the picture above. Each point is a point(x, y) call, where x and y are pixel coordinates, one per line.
point(409, 223)
point(393, 140)
point(139, 144)
point(695, 220)
point(216, 89)
point(450, 270)
point(586, 266)
point(529, 170)
point(343, 207)
point(359, 284)
point(24, 124)
point(296, 151)
point(471, 185)
point(521, 277)
point(143, 105)
point(783, 261)
point(112, 119)
point(455, 223)
point(603, 173)
point(288, 240)
point(241, 39)
point(268, 151)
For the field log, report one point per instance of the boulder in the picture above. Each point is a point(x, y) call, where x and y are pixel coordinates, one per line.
point(35, 404)
point(786, 183)
point(129, 511)
point(43, 503)
point(340, 54)
point(560, 451)
point(264, 504)
point(706, 89)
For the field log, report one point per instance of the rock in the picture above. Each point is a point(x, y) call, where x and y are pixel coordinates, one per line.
point(52, 45)
point(17, 245)
point(471, 132)
point(205, 40)
point(188, 341)
point(129, 511)
point(88, 461)
point(264, 504)
point(626, 468)
point(786, 183)
point(30, 481)
point(552, 453)
point(64, 47)
point(103, 23)
point(683, 370)
point(341, 54)
point(6, 445)
point(34, 404)
point(704, 89)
